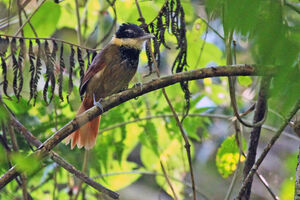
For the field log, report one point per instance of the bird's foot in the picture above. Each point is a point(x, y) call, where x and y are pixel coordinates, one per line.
point(97, 103)
point(140, 85)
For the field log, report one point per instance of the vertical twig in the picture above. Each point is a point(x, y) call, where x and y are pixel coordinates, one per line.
point(260, 112)
point(297, 182)
point(168, 180)
point(84, 168)
point(16, 149)
point(29, 23)
point(20, 16)
point(184, 135)
point(79, 37)
point(27, 20)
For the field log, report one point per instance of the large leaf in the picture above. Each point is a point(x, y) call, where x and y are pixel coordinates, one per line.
point(43, 21)
point(173, 156)
point(228, 156)
point(118, 181)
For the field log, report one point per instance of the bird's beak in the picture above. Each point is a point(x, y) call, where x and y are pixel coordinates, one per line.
point(146, 36)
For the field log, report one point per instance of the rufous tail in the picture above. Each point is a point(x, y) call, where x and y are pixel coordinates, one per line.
point(86, 135)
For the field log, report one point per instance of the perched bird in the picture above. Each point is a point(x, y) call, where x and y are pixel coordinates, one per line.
point(110, 72)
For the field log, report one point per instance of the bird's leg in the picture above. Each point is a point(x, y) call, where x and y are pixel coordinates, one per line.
point(97, 103)
point(140, 85)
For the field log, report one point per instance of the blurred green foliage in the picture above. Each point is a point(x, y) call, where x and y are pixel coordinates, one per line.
point(228, 156)
point(273, 38)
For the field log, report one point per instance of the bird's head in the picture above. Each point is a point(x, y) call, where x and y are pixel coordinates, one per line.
point(131, 36)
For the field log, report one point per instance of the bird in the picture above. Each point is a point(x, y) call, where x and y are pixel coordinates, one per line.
point(110, 72)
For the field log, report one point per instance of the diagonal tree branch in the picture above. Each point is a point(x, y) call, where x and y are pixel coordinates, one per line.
point(115, 100)
point(260, 112)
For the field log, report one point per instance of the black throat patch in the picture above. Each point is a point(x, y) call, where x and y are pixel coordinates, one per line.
point(131, 54)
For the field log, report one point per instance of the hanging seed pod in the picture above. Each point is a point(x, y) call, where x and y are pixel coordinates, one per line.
point(156, 51)
point(61, 72)
point(52, 68)
point(148, 53)
point(88, 58)
point(72, 64)
point(54, 50)
point(3, 45)
point(31, 70)
point(81, 64)
point(3, 48)
point(50, 61)
point(13, 49)
point(94, 55)
point(49, 71)
point(38, 69)
point(20, 66)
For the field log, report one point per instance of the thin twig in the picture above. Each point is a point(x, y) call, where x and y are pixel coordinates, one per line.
point(214, 30)
point(260, 177)
point(259, 115)
point(112, 4)
point(202, 47)
point(267, 148)
point(27, 20)
point(49, 39)
point(16, 149)
point(79, 37)
point(231, 83)
point(297, 179)
point(20, 16)
point(29, 23)
point(84, 168)
point(168, 180)
point(265, 183)
point(293, 7)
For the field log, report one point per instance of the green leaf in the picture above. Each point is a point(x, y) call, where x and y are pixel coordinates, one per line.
point(25, 163)
point(228, 156)
point(118, 181)
point(290, 164)
point(172, 154)
point(217, 93)
point(245, 81)
point(200, 53)
point(149, 137)
point(17, 107)
point(44, 20)
point(287, 190)
point(149, 10)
